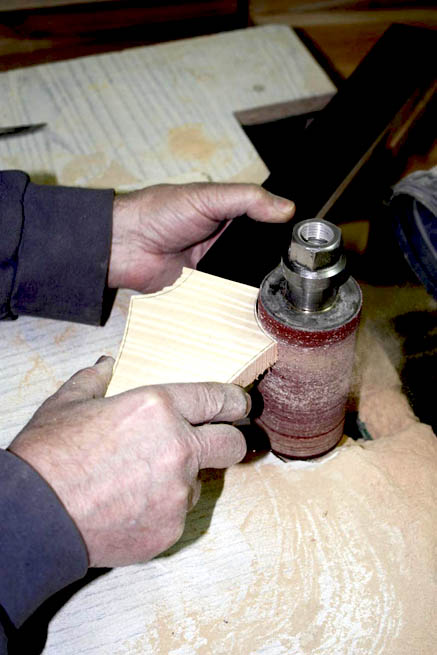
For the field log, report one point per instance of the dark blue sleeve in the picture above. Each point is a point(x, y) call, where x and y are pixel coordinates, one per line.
point(41, 549)
point(54, 256)
point(54, 250)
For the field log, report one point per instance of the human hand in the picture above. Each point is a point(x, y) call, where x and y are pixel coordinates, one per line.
point(126, 467)
point(160, 229)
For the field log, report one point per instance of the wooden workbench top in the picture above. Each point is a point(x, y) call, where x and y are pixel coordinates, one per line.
point(277, 558)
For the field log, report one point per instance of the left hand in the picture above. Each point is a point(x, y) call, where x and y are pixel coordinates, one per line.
point(126, 467)
point(160, 229)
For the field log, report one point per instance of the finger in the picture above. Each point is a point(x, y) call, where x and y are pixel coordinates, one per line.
point(201, 402)
point(196, 488)
point(87, 383)
point(225, 201)
point(219, 445)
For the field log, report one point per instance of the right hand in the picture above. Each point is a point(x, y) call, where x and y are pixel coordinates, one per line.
point(126, 467)
point(158, 230)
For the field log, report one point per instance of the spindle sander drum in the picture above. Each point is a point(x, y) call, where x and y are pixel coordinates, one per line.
point(311, 307)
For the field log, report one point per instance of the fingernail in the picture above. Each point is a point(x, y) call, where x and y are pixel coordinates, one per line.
point(283, 205)
point(101, 359)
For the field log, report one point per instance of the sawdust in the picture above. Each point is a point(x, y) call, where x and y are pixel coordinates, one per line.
point(329, 559)
point(65, 335)
point(95, 170)
point(305, 395)
point(37, 368)
point(190, 142)
point(336, 556)
point(256, 172)
point(114, 176)
point(74, 172)
point(377, 386)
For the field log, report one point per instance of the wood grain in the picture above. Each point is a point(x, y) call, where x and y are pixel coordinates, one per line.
point(123, 119)
point(202, 328)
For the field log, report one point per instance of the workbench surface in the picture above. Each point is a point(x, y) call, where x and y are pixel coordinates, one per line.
point(330, 557)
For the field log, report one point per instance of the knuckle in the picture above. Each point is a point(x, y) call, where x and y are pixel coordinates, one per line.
point(178, 456)
point(156, 400)
point(89, 379)
point(228, 398)
point(89, 373)
point(240, 444)
point(211, 396)
point(258, 192)
point(255, 194)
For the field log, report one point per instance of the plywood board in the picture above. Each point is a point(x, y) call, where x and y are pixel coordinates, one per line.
point(202, 328)
point(121, 119)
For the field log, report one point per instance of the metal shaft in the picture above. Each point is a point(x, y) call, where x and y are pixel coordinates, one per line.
point(316, 265)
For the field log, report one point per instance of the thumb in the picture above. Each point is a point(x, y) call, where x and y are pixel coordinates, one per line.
point(90, 382)
point(227, 201)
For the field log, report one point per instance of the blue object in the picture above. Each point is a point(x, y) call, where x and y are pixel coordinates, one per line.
point(416, 231)
point(414, 211)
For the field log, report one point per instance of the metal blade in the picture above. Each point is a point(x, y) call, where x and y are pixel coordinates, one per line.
point(20, 129)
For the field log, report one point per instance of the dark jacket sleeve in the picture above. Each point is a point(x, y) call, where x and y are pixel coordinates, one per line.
point(41, 549)
point(54, 250)
point(54, 256)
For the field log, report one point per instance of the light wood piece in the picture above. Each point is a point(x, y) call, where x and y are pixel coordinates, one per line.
point(202, 328)
point(126, 119)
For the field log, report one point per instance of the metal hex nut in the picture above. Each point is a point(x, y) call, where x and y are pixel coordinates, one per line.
point(315, 244)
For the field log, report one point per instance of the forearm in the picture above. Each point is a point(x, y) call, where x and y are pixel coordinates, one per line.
point(54, 261)
point(41, 549)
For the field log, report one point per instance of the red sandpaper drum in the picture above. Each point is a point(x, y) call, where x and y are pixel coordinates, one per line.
point(305, 392)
